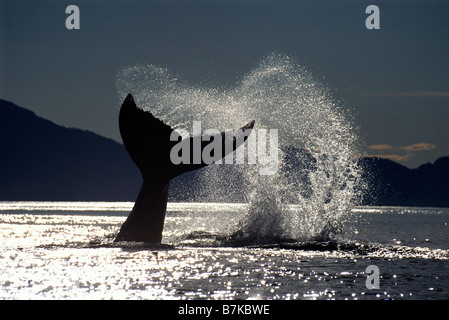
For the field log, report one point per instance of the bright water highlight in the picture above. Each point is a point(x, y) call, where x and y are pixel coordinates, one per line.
point(54, 250)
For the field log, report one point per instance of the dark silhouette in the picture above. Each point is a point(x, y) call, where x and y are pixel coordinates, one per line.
point(391, 184)
point(43, 161)
point(149, 142)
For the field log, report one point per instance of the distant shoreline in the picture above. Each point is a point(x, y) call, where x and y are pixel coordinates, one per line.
point(42, 161)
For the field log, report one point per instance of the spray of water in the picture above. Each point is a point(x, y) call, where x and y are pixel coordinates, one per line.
point(279, 94)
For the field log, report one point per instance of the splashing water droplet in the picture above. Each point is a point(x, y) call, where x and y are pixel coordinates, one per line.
point(314, 135)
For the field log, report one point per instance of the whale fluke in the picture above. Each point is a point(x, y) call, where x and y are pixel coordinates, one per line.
point(149, 142)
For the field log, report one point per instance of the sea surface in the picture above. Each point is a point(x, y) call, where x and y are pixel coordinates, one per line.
point(65, 250)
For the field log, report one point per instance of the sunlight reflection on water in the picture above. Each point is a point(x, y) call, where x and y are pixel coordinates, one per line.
point(70, 255)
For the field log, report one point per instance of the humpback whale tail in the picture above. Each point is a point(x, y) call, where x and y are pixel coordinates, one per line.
point(149, 142)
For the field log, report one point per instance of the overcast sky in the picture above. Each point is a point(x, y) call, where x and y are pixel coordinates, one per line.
point(395, 79)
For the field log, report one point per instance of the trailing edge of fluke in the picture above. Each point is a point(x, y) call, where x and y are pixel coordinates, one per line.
point(147, 140)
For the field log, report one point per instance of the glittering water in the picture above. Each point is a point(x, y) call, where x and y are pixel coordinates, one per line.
point(319, 248)
point(65, 251)
point(278, 94)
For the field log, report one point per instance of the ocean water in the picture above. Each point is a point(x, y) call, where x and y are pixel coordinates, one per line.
point(65, 250)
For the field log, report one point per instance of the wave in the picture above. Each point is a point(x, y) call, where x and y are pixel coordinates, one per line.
point(338, 248)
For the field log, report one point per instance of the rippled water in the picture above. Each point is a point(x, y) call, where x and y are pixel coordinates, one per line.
point(65, 251)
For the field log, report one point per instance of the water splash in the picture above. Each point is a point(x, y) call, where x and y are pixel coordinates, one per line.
point(317, 143)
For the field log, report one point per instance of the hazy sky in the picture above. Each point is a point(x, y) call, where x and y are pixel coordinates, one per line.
point(395, 79)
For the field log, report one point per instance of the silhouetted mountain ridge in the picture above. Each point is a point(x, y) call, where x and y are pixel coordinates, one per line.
point(41, 161)
point(390, 183)
point(44, 161)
